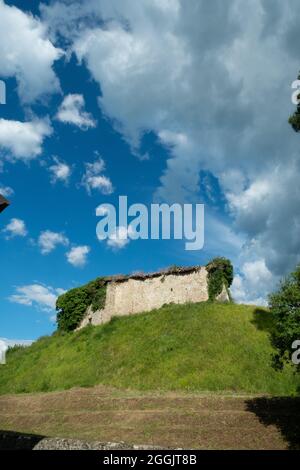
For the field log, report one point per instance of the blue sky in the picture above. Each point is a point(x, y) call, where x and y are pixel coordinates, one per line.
point(163, 98)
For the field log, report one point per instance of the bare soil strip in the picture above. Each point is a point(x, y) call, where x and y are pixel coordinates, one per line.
point(171, 420)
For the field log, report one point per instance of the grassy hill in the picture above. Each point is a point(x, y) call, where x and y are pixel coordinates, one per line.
point(195, 347)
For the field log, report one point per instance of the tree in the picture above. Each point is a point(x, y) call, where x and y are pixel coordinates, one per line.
point(72, 305)
point(220, 273)
point(294, 119)
point(285, 307)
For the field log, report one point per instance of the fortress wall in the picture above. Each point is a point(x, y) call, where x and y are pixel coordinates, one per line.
point(134, 296)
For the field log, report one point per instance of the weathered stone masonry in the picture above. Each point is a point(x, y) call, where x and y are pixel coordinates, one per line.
point(137, 294)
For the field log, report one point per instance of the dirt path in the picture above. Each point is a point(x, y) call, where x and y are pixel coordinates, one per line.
point(168, 420)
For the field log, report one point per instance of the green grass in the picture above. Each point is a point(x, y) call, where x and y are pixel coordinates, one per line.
point(195, 347)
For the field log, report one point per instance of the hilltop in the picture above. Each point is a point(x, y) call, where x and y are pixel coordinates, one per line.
point(192, 347)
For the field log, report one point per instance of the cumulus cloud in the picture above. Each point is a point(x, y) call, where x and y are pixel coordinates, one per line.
point(119, 238)
point(77, 256)
point(60, 171)
point(94, 179)
point(267, 210)
point(27, 54)
point(212, 80)
point(23, 140)
point(15, 228)
point(38, 295)
point(136, 65)
point(71, 111)
point(253, 284)
point(48, 241)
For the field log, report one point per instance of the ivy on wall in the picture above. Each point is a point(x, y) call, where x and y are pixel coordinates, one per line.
point(72, 305)
point(220, 273)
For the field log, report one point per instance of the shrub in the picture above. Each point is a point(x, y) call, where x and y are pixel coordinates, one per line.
point(220, 273)
point(285, 307)
point(72, 305)
point(294, 119)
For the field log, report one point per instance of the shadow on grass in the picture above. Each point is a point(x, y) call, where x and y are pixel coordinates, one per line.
point(10, 440)
point(263, 319)
point(282, 412)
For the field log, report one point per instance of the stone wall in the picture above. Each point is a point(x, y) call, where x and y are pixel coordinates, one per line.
point(134, 296)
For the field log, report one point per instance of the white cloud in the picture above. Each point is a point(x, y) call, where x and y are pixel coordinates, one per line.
point(60, 171)
point(138, 62)
point(48, 241)
point(218, 95)
point(254, 283)
point(268, 211)
point(119, 238)
point(15, 228)
point(6, 191)
point(94, 179)
point(77, 256)
point(38, 295)
point(27, 54)
point(71, 111)
point(23, 140)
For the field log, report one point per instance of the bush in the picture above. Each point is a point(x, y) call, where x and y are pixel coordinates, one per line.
point(220, 273)
point(294, 119)
point(285, 307)
point(72, 305)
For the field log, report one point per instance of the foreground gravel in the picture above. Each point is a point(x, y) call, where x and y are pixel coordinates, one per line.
point(16, 441)
point(76, 444)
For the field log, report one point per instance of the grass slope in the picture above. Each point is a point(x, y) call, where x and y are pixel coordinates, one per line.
point(195, 347)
